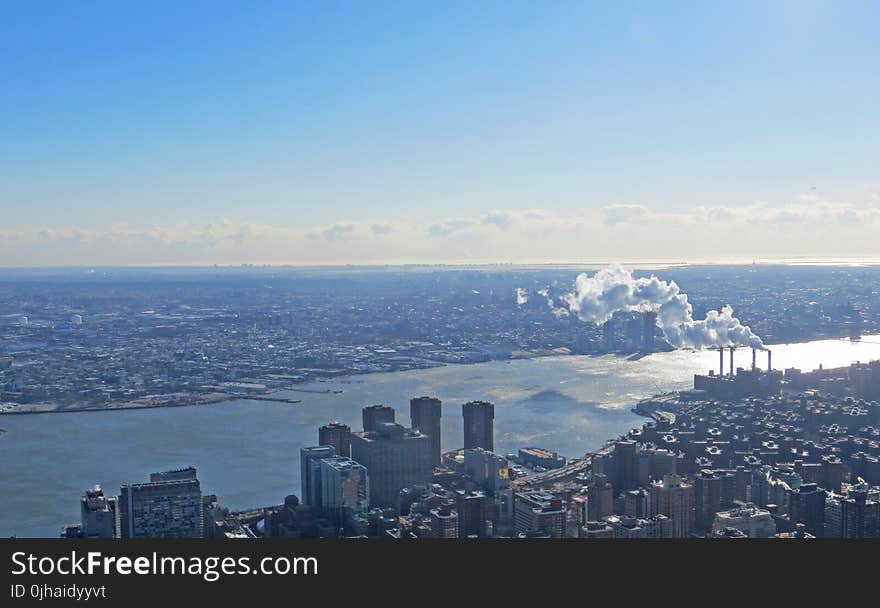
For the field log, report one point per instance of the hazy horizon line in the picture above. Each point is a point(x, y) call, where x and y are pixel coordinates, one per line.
point(598, 263)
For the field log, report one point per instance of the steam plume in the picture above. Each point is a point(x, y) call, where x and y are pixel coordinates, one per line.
point(596, 298)
point(559, 311)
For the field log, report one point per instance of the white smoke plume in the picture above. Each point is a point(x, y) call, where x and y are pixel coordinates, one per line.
point(596, 298)
point(559, 311)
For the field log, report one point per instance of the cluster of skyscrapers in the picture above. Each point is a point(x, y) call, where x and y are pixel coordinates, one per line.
point(170, 505)
point(344, 479)
point(350, 473)
point(801, 464)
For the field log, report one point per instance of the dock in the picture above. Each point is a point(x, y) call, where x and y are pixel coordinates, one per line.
point(265, 398)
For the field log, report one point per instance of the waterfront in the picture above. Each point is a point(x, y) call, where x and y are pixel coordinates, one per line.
point(247, 452)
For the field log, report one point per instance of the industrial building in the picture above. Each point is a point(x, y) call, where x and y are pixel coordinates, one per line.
point(741, 382)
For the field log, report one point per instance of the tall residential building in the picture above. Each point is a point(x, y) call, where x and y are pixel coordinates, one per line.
point(504, 510)
point(344, 485)
point(808, 508)
point(600, 498)
point(833, 472)
point(396, 458)
point(626, 465)
point(475, 514)
point(488, 469)
point(310, 473)
point(337, 435)
point(637, 503)
point(374, 415)
point(98, 514)
point(674, 498)
point(714, 490)
point(832, 528)
point(479, 417)
point(539, 513)
point(424, 413)
point(662, 462)
point(577, 509)
point(169, 506)
point(859, 515)
point(444, 522)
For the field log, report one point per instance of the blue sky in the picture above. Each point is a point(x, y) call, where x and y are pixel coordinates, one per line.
point(192, 132)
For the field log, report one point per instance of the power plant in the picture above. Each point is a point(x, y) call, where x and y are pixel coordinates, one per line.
point(615, 291)
point(740, 382)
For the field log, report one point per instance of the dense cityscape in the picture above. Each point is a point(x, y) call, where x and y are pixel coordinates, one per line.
point(748, 453)
point(113, 339)
point(279, 277)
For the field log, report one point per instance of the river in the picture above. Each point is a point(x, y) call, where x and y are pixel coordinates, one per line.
point(247, 452)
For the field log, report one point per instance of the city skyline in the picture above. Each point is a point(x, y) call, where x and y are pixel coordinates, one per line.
point(234, 372)
point(277, 276)
point(377, 134)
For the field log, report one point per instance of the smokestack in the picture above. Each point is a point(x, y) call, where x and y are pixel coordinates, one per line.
point(721, 362)
point(769, 361)
point(754, 354)
point(731, 362)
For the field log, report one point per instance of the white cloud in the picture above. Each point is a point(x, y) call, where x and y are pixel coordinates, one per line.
point(501, 219)
point(624, 214)
point(449, 227)
point(755, 230)
point(338, 232)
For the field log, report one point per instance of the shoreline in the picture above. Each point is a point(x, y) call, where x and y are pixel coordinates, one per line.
point(209, 399)
point(36, 408)
point(188, 400)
